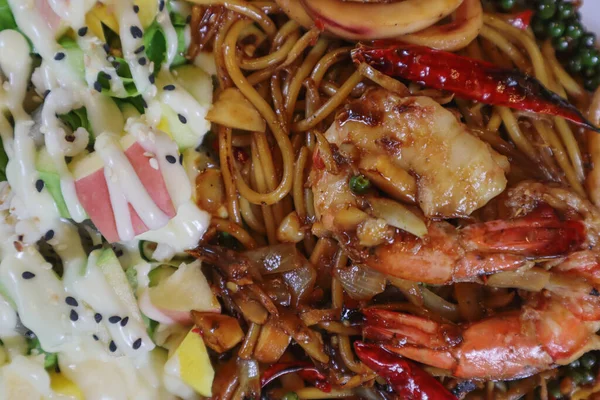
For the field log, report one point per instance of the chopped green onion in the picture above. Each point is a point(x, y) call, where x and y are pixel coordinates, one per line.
point(359, 184)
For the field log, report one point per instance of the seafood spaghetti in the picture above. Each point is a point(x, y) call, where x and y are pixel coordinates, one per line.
point(299, 199)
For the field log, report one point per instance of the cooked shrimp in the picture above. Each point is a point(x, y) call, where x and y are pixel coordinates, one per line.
point(516, 344)
point(456, 172)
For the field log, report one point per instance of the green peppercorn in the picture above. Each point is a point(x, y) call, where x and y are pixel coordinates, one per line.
point(588, 40)
point(574, 30)
point(575, 364)
point(592, 83)
point(574, 65)
point(290, 396)
point(577, 375)
point(359, 184)
point(588, 360)
point(539, 27)
point(546, 10)
point(554, 389)
point(589, 57)
point(565, 11)
point(507, 5)
point(589, 72)
point(555, 29)
point(587, 377)
point(561, 43)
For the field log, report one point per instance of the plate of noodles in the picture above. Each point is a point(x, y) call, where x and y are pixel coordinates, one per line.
point(299, 199)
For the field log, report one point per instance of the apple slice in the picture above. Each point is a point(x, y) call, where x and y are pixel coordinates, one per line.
point(174, 297)
point(92, 189)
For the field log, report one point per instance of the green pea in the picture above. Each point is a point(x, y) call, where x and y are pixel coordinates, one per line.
point(574, 30)
point(588, 360)
point(561, 43)
point(546, 10)
point(555, 29)
point(565, 11)
point(507, 5)
point(554, 389)
point(588, 40)
point(359, 184)
point(290, 396)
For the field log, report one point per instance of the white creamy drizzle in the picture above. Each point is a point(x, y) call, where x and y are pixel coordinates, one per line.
point(72, 12)
point(182, 102)
point(95, 61)
point(128, 21)
point(108, 148)
point(161, 145)
point(164, 21)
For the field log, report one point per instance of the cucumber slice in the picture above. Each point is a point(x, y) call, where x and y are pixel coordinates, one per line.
point(160, 273)
point(48, 173)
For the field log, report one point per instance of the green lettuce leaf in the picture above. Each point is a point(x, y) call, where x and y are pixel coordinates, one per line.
point(34, 347)
point(155, 43)
point(7, 20)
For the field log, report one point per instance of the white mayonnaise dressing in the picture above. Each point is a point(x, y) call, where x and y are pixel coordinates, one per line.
point(72, 12)
point(95, 61)
point(182, 102)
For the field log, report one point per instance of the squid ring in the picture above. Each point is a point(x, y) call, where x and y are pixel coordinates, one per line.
point(454, 35)
point(367, 21)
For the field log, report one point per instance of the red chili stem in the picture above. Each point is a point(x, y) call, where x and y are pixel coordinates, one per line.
point(306, 370)
point(468, 78)
point(406, 378)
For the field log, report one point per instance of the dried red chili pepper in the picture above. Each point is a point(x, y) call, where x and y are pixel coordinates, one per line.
point(468, 78)
point(521, 20)
point(306, 370)
point(406, 378)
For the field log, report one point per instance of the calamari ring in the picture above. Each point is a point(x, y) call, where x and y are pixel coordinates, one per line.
point(367, 21)
point(454, 35)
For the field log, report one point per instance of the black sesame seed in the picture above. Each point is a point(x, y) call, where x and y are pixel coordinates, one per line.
point(144, 104)
point(20, 237)
point(182, 119)
point(142, 61)
point(161, 5)
point(39, 185)
point(119, 253)
point(188, 19)
point(151, 78)
point(112, 346)
point(124, 321)
point(98, 317)
point(70, 138)
point(136, 32)
point(137, 344)
point(97, 247)
point(105, 75)
point(171, 159)
point(46, 93)
point(29, 334)
point(114, 319)
point(49, 235)
point(74, 316)
point(106, 47)
point(169, 87)
point(28, 275)
point(96, 338)
point(82, 31)
point(98, 86)
point(181, 159)
point(71, 301)
point(594, 292)
point(59, 56)
point(140, 49)
point(136, 9)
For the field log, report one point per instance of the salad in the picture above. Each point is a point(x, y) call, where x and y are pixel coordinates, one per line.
point(101, 117)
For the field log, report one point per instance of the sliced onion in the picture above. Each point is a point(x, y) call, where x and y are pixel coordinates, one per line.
point(249, 373)
point(275, 259)
point(533, 280)
point(411, 290)
point(440, 306)
point(397, 215)
point(361, 283)
point(301, 282)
